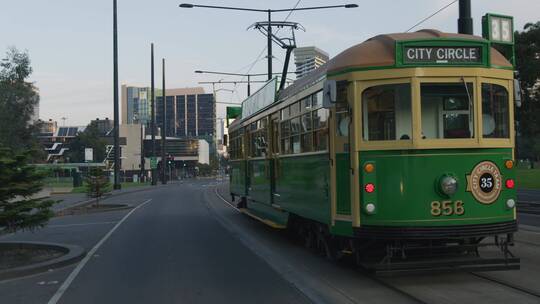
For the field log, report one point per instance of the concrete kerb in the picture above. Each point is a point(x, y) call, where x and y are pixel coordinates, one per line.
point(113, 194)
point(72, 255)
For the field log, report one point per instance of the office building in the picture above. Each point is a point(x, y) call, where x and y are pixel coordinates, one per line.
point(135, 104)
point(308, 59)
point(190, 112)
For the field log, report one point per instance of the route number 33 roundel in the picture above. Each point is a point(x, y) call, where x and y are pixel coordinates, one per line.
point(485, 182)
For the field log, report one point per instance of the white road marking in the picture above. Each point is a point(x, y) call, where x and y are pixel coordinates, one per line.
point(83, 224)
point(226, 201)
point(56, 297)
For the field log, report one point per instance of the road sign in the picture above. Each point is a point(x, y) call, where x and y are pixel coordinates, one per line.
point(153, 162)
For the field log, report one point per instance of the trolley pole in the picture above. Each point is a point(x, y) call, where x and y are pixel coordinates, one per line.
point(465, 21)
point(269, 47)
point(153, 112)
point(116, 185)
point(163, 130)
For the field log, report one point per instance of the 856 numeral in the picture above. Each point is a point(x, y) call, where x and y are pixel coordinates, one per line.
point(447, 208)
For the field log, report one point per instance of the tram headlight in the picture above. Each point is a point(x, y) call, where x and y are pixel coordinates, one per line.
point(449, 185)
point(370, 208)
point(510, 204)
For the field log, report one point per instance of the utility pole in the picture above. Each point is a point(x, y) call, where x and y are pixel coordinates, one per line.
point(153, 112)
point(163, 130)
point(116, 132)
point(465, 21)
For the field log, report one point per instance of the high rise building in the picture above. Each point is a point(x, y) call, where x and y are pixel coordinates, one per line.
point(190, 112)
point(308, 59)
point(136, 105)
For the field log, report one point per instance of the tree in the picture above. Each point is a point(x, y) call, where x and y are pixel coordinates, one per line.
point(89, 138)
point(528, 66)
point(19, 181)
point(18, 99)
point(97, 184)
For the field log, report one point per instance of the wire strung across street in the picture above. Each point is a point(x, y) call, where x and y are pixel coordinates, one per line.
point(432, 15)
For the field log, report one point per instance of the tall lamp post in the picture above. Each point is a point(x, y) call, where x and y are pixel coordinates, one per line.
point(269, 13)
point(153, 112)
point(163, 128)
point(116, 132)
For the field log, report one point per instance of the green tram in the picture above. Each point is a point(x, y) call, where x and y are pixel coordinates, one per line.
point(399, 150)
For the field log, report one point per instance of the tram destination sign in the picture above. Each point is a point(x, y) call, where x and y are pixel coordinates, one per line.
point(447, 55)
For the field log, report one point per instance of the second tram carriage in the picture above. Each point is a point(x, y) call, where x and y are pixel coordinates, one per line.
point(399, 150)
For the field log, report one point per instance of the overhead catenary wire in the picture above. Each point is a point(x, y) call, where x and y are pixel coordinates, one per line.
point(263, 50)
point(432, 15)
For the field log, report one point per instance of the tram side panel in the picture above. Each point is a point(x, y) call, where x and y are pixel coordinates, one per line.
point(238, 182)
point(303, 185)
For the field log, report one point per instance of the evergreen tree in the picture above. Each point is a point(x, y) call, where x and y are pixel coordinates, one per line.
point(528, 66)
point(97, 184)
point(18, 182)
point(18, 99)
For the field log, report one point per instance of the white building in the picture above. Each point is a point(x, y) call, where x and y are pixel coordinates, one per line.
point(308, 59)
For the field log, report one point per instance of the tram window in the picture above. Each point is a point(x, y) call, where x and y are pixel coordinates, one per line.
point(387, 112)
point(306, 104)
point(447, 110)
point(295, 126)
point(306, 122)
point(320, 118)
point(495, 122)
point(317, 100)
point(307, 142)
point(295, 141)
point(295, 109)
point(285, 113)
point(320, 133)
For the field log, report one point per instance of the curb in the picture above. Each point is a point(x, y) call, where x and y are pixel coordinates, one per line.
point(72, 255)
point(90, 201)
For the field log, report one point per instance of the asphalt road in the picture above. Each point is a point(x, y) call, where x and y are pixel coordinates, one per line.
point(172, 250)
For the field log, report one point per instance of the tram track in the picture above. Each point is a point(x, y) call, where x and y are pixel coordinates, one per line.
point(507, 284)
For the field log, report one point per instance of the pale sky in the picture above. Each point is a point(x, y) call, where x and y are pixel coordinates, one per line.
point(70, 41)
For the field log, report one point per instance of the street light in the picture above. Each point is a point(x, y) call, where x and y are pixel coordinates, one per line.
point(269, 12)
point(239, 74)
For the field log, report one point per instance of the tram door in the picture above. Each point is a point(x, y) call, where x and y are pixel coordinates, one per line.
point(340, 135)
point(273, 153)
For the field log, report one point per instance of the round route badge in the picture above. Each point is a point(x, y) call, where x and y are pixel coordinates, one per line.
point(485, 182)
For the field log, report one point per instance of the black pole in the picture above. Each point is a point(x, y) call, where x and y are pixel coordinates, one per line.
point(269, 44)
point(249, 86)
point(142, 150)
point(163, 130)
point(153, 112)
point(115, 96)
point(465, 21)
point(285, 67)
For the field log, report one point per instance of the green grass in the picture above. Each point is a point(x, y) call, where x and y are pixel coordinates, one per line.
point(82, 189)
point(528, 178)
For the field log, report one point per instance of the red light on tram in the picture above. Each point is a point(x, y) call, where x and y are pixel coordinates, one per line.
point(510, 184)
point(369, 188)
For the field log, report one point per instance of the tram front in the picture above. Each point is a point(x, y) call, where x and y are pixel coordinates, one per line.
point(426, 120)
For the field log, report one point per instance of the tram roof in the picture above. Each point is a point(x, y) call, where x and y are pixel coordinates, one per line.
point(380, 51)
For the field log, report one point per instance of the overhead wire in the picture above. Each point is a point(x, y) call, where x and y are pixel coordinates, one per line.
point(432, 15)
point(263, 50)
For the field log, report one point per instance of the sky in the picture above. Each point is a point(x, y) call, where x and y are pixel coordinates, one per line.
point(70, 41)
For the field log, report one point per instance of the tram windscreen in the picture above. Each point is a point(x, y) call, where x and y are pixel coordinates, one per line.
point(495, 115)
point(447, 110)
point(387, 112)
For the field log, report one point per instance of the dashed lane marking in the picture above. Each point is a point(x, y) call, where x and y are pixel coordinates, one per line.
point(56, 297)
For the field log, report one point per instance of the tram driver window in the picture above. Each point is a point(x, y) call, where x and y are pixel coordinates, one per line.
point(387, 112)
point(495, 117)
point(447, 110)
